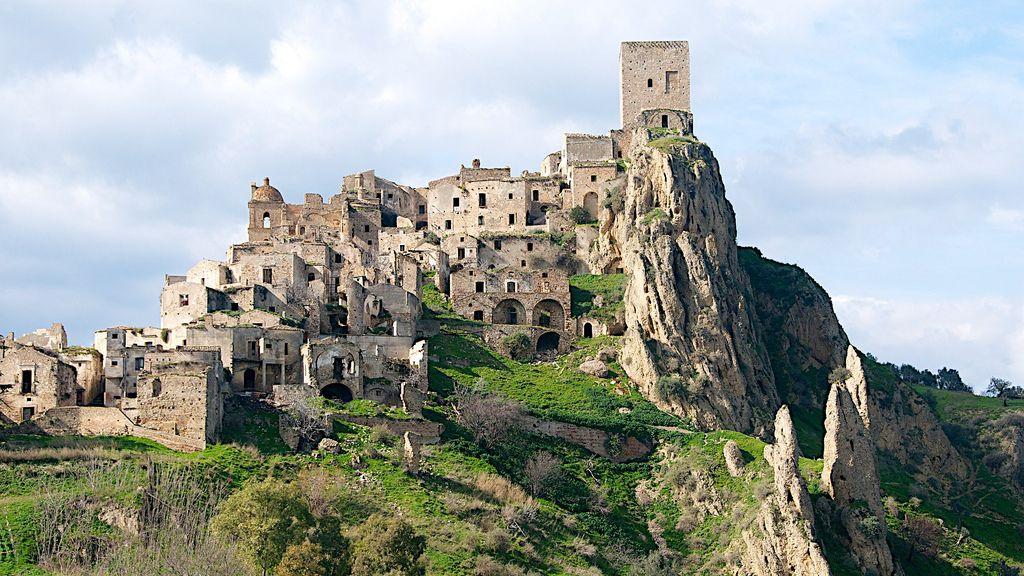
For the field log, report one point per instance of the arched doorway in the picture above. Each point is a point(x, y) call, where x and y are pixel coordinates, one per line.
point(249, 379)
point(549, 313)
point(509, 312)
point(590, 204)
point(548, 342)
point(588, 330)
point(337, 391)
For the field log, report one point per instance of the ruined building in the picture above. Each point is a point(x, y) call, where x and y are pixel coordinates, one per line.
point(324, 296)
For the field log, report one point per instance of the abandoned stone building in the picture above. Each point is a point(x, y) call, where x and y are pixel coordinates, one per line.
point(33, 380)
point(324, 297)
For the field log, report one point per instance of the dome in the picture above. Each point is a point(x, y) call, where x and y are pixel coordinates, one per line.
point(266, 193)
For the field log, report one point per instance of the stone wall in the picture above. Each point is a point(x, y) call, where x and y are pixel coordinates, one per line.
point(653, 75)
point(32, 381)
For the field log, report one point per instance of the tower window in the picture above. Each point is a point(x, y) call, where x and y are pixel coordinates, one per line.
point(529, 246)
point(497, 243)
point(664, 120)
point(511, 219)
point(536, 195)
point(650, 82)
point(268, 275)
point(479, 286)
point(266, 219)
point(480, 220)
point(455, 202)
point(423, 209)
point(482, 200)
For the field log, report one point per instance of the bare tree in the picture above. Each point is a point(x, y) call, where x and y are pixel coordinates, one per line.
point(541, 470)
point(490, 417)
point(923, 536)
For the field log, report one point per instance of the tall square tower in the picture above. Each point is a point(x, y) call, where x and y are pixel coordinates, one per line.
point(654, 76)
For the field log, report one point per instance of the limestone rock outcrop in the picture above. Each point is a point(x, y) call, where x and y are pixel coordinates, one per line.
point(687, 307)
point(733, 459)
point(783, 542)
point(850, 475)
point(595, 367)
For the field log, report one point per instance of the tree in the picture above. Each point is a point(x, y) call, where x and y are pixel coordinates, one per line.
point(541, 470)
point(263, 519)
point(910, 375)
point(949, 379)
point(387, 546)
point(923, 536)
point(305, 559)
point(1000, 389)
point(490, 417)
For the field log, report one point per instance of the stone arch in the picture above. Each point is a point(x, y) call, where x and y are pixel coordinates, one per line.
point(266, 219)
point(588, 330)
point(509, 311)
point(549, 313)
point(337, 391)
point(548, 342)
point(590, 204)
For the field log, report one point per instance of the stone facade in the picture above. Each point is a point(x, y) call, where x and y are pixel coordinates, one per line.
point(32, 381)
point(654, 75)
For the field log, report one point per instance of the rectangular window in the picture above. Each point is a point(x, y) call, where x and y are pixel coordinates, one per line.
point(26, 381)
point(366, 227)
point(522, 263)
point(509, 195)
point(252, 347)
point(462, 253)
point(447, 224)
point(479, 286)
point(337, 258)
point(455, 202)
point(302, 229)
point(529, 246)
point(182, 300)
point(423, 208)
point(266, 345)
point(536, 195)
point(113, 362)
point(401, 247)
point(511, 219)
point(483, 200)
point(286, 344)
point(497, 244)
point(310, 277)
point(268, 275)
point(140, 363)
point(670, 80)
point(593, 177)
point(480, 220)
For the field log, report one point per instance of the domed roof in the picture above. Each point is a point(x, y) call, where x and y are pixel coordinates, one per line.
point(266, 193)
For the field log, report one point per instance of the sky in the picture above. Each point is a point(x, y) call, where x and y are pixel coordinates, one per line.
point(877, 144)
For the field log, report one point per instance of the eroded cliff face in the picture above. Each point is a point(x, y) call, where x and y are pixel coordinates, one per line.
point(850, 475)
point(782, 540)
point(692, 342)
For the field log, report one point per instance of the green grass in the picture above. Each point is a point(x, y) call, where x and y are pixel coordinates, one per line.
point(952, 406)
point(583, 288)
point(555, 390)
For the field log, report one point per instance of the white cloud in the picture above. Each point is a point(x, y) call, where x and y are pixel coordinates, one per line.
point(981, 337)
point(854, 141)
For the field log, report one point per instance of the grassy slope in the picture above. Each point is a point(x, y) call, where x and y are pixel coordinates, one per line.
point(584, 287)
point(592, 518)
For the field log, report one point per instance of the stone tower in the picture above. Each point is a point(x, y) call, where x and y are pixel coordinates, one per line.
point(655, 84)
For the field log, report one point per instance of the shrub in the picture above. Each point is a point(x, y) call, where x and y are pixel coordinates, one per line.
point(490, 417)
point(263, 519)
point(387, 545)
point(871, 527)
point(518, 346)
point(541, 471)
point(579, 215)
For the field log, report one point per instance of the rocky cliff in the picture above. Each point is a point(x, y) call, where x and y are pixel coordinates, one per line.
point(782, 540)
point(692, 340)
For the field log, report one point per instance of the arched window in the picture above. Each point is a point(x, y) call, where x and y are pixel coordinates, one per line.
point(266, 219)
